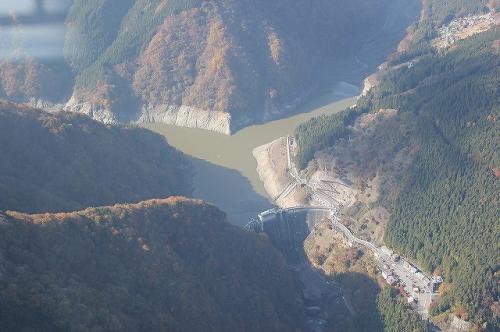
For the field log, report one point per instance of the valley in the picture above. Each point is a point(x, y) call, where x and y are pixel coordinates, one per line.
point(320, 191)
point(249, 165)
point(233, 184)
point(229, 168)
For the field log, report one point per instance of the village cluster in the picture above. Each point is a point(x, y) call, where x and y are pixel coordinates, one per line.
point(449, 34)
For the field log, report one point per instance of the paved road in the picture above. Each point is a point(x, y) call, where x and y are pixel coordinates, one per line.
point(409, 277)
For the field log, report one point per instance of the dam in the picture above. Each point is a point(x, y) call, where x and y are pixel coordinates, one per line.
point(287, 229)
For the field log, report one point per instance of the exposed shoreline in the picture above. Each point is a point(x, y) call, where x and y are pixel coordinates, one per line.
point(273, 172)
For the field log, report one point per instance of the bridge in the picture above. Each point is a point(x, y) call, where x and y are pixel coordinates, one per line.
point(38, 15)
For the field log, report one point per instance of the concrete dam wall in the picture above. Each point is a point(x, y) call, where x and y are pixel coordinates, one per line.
point(288, 228)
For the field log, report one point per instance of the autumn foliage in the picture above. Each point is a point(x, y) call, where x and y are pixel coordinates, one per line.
point(160, 265)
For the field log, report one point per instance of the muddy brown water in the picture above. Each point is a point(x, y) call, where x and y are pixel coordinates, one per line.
point(225, 167)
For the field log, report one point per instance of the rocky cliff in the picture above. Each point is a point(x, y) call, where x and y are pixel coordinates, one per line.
point(218, 64)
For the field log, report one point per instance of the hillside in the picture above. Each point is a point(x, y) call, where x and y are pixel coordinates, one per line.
point(434, 15)
point(66, 161)
point(446, 214)
point(218, 64)
point(443, 148)
point(210, 59)
point(23, 78)
point(376, 307)
point(160, 265)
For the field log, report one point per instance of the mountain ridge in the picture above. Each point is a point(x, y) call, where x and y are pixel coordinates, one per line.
point(219, 65)
point(67, 161)
point(154, 265)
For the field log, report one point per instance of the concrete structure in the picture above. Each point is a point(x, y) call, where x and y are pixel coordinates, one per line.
point(288, 228)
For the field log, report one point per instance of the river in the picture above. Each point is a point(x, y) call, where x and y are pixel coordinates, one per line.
point(225, 168)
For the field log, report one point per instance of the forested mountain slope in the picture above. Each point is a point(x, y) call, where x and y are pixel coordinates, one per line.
point(67, 161)
point(434, 14)
point(446, 214)
point(218, 64)
point(160, 265)
point(444, 210)
point(244, 58)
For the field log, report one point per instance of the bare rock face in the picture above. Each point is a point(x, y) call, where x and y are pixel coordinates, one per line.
point(369, 83)
point(185, 116)
point(96, 112)
point(182, 116)
point(215, 64)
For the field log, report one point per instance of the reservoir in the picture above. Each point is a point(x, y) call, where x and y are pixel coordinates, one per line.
point(225, 167)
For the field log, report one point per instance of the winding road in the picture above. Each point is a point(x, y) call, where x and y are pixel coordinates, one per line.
point(410, 277)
